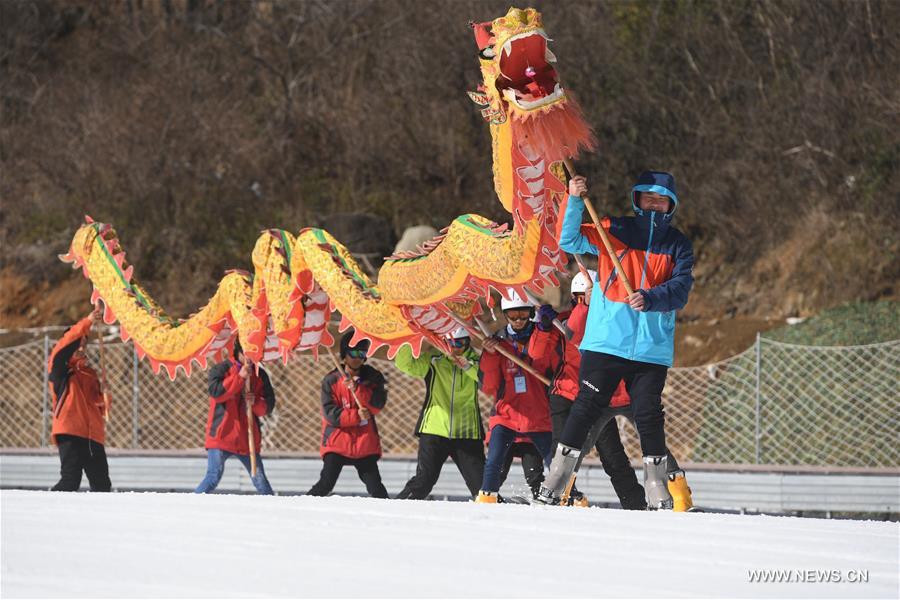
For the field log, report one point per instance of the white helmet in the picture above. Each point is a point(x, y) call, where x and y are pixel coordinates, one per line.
point(515, 301)
point(580, 282)
point(458, 334)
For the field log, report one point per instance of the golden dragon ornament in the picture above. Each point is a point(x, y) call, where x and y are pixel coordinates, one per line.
point(285, 305)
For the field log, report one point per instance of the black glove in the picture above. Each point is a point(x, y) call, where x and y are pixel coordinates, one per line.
point(545, 315)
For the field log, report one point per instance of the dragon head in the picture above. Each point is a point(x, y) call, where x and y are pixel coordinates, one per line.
point(521, 87)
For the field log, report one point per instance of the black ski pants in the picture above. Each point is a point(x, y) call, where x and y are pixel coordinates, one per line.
point(77, 454)
point(468, 455)
point(609, 446)
point(366, 468)
point(600, 375)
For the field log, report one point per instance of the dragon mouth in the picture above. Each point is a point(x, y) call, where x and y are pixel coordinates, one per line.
point(527, 77)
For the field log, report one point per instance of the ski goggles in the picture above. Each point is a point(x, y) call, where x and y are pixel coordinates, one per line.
point(355, 353)
point(459, 343)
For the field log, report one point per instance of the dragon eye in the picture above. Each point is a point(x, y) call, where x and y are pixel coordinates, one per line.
point(488, 53)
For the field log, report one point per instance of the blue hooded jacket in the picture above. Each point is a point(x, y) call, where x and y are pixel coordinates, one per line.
point(657, 259)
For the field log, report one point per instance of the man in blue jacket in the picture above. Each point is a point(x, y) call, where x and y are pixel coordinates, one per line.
point(627, 336)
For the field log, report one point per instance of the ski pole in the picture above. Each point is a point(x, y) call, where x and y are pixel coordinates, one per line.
point(603, 236)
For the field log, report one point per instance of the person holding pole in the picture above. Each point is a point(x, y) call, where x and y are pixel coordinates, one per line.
point(604, 435)
point(79, 430)
point(352, 394)
point(238, 395)
point(563, 390)
point(449, 423)
point(630, 326)
point(521, 406)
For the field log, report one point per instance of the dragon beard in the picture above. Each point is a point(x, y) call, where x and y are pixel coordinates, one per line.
point(558, 133)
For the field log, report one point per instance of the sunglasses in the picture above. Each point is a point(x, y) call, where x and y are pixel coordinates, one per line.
point(356, 353)
point(518, 315)
point(459, 343)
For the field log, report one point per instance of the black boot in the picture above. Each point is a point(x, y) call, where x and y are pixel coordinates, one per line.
point(634, 498)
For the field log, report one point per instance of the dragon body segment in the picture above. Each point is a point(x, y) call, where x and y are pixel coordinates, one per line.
point(285, 305)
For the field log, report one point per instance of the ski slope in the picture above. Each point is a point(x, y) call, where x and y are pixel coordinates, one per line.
point(184, 545)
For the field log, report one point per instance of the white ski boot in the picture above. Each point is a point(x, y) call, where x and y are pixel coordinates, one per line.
point(655, 484)
point(561, 470)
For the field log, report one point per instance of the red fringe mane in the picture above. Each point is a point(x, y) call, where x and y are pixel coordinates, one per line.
point(557, 134)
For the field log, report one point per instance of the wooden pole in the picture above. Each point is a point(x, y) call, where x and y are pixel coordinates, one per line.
point(556, 322)
point(250, 437)
point(480, 337)
point(603, 235)
point(564, 499)
point(450, 355)
point(104, 386)
point(340, 369)
point(581, 266)
point(484, 329)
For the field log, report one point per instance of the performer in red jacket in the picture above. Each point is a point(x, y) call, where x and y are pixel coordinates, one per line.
point(78, 427)
point(349, 433)
point(521, 406)
point(226, 425)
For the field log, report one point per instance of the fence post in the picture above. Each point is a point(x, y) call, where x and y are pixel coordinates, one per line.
point(135, 400)
point(758, 367)
point(45, 414)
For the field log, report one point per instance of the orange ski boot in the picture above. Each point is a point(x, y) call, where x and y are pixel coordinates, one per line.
point(680, 491)
point(486, 497)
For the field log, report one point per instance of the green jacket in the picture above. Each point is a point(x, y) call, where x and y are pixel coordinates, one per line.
point(450, 409)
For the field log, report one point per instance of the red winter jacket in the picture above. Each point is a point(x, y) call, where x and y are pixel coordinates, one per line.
point(527, 411)
point(565, 380)
point(343, 432)
point(226, 425)
point(75, 389)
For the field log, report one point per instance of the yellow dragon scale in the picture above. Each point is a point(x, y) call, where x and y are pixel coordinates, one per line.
point(469, 249)
point(285, 306)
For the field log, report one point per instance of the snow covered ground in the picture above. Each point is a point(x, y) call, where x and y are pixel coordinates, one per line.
point(166, 545)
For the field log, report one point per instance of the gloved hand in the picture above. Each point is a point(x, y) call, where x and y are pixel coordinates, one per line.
point(545, 315)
